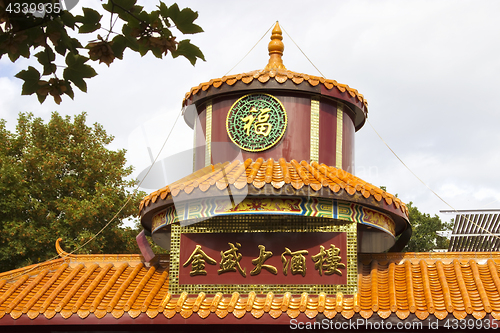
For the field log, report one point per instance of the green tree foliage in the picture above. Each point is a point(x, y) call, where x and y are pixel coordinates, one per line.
point(425, 227)
point(42, 26)
point(58, 179)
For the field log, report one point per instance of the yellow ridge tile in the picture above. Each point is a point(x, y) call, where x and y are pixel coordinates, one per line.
point(13, 288)
point(91, 287)
point(462, 287)
point(26, 291)
point(139, 288)
point(76, 287)
point(60, 287)
point(107, 287)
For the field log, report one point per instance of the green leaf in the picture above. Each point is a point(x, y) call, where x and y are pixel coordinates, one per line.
point(55, 31)
point(35, 36)
point(90, 19)
point(157, 52)
point(13, 56)
point(166, 32)
point(69, 90)
point(173, 12)
point(46, 59)
point(24, 49)
point(183, 19)
point(31, 77)
point(122, 5)
point(164, 11)
point(154, 16)
point(119, 45)
point(128, 15)
point(68, 19)
point(77, 70)
point(144, 17)
point(65, 42)
point(143, 48)
point(132, 42)
point(41, 98)
point(189, 51)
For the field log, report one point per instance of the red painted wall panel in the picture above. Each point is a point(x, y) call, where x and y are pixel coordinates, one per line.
point(327, 132)
point(348, 144)
point(295, 143)
point(212, 244)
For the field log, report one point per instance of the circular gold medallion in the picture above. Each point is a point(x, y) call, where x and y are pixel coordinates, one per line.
point(256, 122)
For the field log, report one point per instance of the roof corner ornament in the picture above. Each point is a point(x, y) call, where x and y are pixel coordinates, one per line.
point(276, 48)
point(59, 249)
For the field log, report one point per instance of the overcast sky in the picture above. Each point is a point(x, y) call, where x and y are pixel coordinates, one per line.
point(430, 71)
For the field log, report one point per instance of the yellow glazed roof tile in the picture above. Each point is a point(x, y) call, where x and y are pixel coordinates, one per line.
point(279, 75)
point(459, 284)
point(277, 174)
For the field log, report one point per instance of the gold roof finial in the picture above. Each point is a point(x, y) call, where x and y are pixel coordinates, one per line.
point(276, 48)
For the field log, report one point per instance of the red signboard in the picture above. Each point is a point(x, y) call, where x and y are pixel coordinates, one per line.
point(263, 258)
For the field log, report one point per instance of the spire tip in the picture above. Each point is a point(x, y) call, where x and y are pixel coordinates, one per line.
point(276, 48)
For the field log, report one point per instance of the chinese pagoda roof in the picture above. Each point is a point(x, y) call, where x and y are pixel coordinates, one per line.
point(275, 70)
point(281, 177)
point(97, 287)
point(278, 75)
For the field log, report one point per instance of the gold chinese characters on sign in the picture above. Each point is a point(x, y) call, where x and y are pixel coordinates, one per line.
point(197, 262)
point(328, 260)
point(230, 261)
point(325, 261)
point(259, 262)
point(298, 261)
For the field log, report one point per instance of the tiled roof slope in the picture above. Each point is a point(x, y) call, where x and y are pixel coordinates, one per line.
point(278, 174)
point(280, 76)
point(422, 284)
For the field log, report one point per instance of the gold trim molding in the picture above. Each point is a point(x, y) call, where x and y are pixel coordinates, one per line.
point(314, 146)
point(265, 224)
point(340, 125)
point(208, 134)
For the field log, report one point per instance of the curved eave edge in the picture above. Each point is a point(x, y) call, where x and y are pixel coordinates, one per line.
point(287, 81)
point(400, 217)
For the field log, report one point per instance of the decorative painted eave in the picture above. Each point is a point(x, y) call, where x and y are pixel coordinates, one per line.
point(281, 175)
point(464, 285)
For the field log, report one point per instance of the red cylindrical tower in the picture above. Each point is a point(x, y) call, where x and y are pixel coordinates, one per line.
point(322, 115)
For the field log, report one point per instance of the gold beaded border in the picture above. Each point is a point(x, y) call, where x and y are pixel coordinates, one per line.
point(194, 143)
point(265, 223)
point(340, 126)
point(208, 134)
point(314, 145)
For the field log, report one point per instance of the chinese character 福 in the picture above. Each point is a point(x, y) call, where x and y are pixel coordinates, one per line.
point(261, 126)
